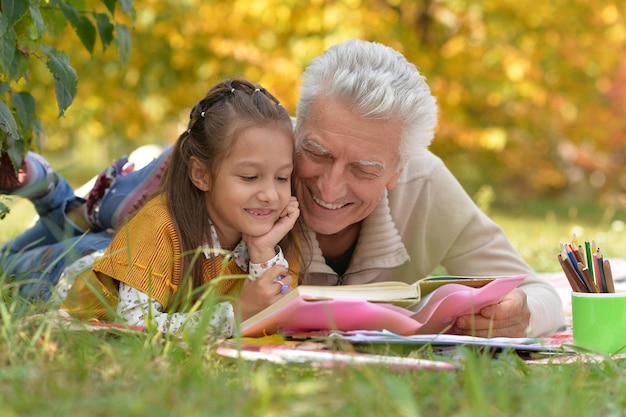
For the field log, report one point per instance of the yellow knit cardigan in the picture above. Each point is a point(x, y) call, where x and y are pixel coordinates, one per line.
point(146, 255)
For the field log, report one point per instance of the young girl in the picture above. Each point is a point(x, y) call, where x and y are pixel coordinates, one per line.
point(223, 212)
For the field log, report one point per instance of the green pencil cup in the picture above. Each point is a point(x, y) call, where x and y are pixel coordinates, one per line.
point(599, 321)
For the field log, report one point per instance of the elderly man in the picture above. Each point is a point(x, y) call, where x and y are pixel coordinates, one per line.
point(382, 207)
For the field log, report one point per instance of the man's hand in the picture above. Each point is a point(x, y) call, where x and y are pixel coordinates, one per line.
point(509, 318)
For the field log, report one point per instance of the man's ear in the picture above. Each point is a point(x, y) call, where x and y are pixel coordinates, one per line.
point(392, 181)
point(199, 174)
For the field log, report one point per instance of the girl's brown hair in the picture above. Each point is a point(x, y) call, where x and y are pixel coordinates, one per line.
point(215, 122)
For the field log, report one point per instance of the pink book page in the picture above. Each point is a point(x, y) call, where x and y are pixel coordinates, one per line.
point(441, 307)
point(303, 315)
point(437, 311)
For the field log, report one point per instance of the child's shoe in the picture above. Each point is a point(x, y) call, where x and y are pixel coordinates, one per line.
point(36, 179)
point(127, 193)
point(101, 188)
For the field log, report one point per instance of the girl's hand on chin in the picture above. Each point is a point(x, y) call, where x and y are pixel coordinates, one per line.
point(263, 248)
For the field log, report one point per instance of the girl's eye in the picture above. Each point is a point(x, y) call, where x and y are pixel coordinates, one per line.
point(282, 179)
point(248, 177)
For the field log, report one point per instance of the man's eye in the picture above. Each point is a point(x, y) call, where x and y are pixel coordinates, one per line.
point(360, 173)
point(315, 154)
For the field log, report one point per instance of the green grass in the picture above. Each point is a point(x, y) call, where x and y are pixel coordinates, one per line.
point(538, 230)
point(20, 216)
point(47, 371)
point(62, 373)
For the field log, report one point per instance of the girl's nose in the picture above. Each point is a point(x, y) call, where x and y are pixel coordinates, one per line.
point(268, 193)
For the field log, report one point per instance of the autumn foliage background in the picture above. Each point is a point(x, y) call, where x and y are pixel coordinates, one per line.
point(531, 94)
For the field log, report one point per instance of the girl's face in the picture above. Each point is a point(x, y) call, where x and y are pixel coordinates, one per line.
point(253, 184)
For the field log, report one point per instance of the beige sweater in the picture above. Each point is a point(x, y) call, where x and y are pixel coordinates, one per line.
point(428, 220)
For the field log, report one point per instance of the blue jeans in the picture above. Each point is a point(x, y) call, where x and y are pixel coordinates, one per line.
point(35, 259)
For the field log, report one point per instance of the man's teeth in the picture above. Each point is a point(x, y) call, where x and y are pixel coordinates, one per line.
point(327, 205)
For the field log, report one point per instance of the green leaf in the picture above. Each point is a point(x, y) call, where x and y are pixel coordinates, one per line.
point(38, 21)
point(7, 51)
point(127, 6)
point(13, 10)
point(4, 210)
point(85, 30)
point(19, 66)
point(65, 77)
point(39, 132)
point(8, 127)
point(70, 13)
point(123, 41)
point(4, 25)
point(24, 104)
point(110, 4)
point(16, 153)
point(105, 27)
point(54, 20)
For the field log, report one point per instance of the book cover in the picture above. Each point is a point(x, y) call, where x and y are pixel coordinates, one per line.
point(332, 310)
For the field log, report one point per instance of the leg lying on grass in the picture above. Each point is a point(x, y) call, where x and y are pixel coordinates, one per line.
point(69, 226)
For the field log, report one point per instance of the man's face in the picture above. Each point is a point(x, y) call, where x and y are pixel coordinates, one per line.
point(344, 162)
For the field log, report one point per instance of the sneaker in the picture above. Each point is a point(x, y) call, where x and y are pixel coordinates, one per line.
point(128, 193)
point(101, 187)
point(9, 178)
point(34, 180)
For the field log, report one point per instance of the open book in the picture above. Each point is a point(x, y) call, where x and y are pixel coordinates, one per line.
point(428, 306)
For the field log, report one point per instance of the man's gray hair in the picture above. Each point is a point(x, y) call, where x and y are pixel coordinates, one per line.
point(380, 83)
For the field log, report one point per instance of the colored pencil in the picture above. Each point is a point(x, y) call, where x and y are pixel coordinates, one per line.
point(585, 268)
point(570, 274)
point(588, 257)
point(597, 265)
point(587, 277)
point(609, 276)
